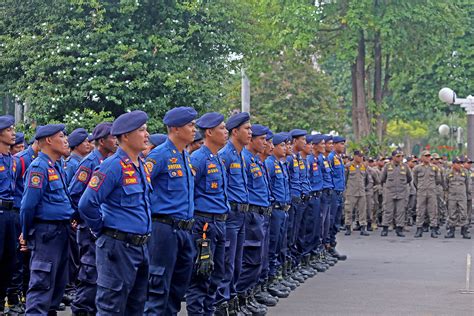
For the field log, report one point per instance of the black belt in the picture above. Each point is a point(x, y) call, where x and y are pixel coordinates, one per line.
point(295, 200)
point(280, 206)
point(176, 223)
point(315, 194)
point(262, 210)
point(54, 222)
point(6, 205)
point(134, 239)
point(305, 197)
point(327, 190)
point(239, 207)
point(216, 217)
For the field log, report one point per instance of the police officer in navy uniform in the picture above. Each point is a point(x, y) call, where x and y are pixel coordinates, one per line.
point(210, 214)
point(280, 191)
point(240, 135)
point(8, 232)
point(171, 244)
point(79, 143)
point(19, 145)
point(105, 145)
point(197, 143)
point(259, 205)
point(154, 140)
point(116, 208)
point(45, 217)
point(335, 160)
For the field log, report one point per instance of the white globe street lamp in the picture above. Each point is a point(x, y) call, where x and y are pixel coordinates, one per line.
point(443, 130)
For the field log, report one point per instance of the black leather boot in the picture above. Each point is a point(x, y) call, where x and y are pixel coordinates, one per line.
point(234, 308)
point(263, 297)
point(348, 230)
point(451, 232)
point(336, 254)
point(363, 231)
point(399, 231)
point(419, 232)
point(275, 290)
point(369, 226)
point(222, 310)
point(243, 308)
point(254, 306)
point(433, 232)
point(465, 232)
point(384, 231)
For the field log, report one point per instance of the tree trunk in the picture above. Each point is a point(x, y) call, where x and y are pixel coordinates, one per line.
point(355, 121)
point(361, 102)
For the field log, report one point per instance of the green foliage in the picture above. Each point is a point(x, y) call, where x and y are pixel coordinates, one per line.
point(397, 130)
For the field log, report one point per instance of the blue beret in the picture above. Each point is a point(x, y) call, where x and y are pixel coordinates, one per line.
point(309, 138)
point(236, 120)
point(317, 138)
point(280, 138)
point(269, 134)
point(358, 153)
point(397, 152)
point(19, 138)
point(327, 137)
point(102, 130)
point(6, 121)
point(338, 139)
point(297, 133)
point(157, 139)
point(128, 122)
point(210, 120)
point(77, 137)
point(179, 116)
point(90, 137)
point(48, 130)
point(259, 130)
point(197, 136)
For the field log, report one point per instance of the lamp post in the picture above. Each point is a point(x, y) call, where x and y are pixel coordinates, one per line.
point(448, 96)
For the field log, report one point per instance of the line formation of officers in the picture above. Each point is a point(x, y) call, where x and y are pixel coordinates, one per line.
point(229, 222)
point(427, 192)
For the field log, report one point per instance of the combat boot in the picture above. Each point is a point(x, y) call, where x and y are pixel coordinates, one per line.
point(363, 231)
point(333, 252)
point(399, 231)
point(252, 302)
point(243, 308)
point(384, 231)
point(425, 228)
point(419, 232)
point(263, 297)
point(222, 310)
point(433, 232)
point(348, 230)
point(451, 232)
point(465, 232)
point(277, 291)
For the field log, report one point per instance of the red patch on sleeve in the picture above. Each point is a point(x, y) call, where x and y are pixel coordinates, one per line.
point(36, 180)
point(83, 174)
point(96, 180)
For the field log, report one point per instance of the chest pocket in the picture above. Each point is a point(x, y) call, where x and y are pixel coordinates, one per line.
point(214, 183)
point(176, 180)
point(56, 192)
point(131, 194)
point(235, 177)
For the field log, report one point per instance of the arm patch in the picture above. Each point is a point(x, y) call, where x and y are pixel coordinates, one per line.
point(83, 174)
point(36, 180)
point(96, 180)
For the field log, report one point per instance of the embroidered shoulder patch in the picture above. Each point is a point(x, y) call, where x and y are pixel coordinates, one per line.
point(36, 180)
point(96, 180)
point(83, 174)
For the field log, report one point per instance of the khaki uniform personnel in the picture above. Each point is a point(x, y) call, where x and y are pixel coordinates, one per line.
point(378, 198)
point(411, 207)
point(395, 178)
point(442, 211)
point(373, 180)
point(457, 185)
point(426, 177)
point(468, 167)
point(356, 180)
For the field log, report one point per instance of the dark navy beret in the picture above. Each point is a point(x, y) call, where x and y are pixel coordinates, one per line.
point(309, 138)
point(298, 132)
point(210, 120)
point(48, 130)
point(90, 137)
point(259, 130)
point(279, 138)
point(179, 116)
point(77, 136)
point(317, 138)
point(236, 120)
point(128, 122)
point(197, 136)
point(338, 139)
point(358, 153)
point(269, 134)
point(157, 139)
point(19, 138)
point(327, 138)
point(102, 130)
point(397, 152)
point(6, 121)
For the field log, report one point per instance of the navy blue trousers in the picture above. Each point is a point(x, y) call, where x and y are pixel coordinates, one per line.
point(277, 233)
point(235, 236)
point(8, 256)
point(16, 286)
point(49, 247)
point(252, 255)
point(326, 200)
point(122, 277)
point(201, 294)
point(171, 266)
point(265, 249)
point(315, 243)
point(336, 213)
point(86, 288)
